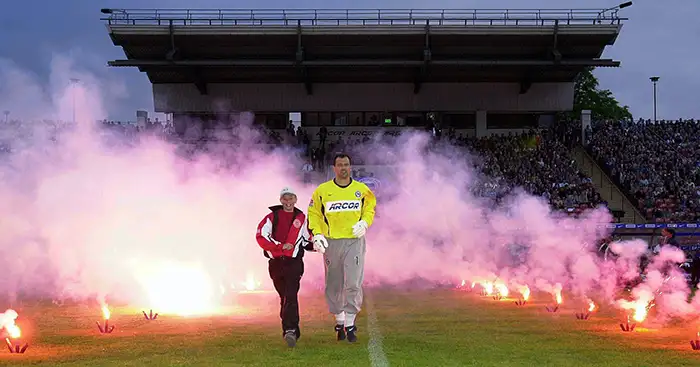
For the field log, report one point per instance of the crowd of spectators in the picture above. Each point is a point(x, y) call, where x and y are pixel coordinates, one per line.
point(16, 134)
point(657, 165)
point(539, 163)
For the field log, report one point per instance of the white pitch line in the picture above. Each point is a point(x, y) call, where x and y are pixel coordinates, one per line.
point(377, 358)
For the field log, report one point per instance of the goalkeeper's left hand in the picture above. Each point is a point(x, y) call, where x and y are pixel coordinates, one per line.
point(359, 229)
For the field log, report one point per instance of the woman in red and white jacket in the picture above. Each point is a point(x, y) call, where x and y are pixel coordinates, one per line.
point(284, 236)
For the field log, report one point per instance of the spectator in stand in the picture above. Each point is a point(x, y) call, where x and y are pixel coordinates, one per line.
point(307, 169)
point(657, 164)
point(314, 158)
point(323, 135)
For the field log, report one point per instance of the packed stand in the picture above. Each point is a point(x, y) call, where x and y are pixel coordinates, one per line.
point(538, 163)
point(658, 164)
point(16, 134)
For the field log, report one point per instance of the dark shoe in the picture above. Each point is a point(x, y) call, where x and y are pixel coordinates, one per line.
point(340, 330)
point(291, 338)
point(351, 333)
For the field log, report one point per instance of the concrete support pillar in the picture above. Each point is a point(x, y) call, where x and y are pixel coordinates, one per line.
point(481, 127)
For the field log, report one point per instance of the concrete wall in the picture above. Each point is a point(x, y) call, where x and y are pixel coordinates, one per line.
point(349, 97)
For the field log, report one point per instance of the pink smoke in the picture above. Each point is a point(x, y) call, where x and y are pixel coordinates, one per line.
point(89, 220)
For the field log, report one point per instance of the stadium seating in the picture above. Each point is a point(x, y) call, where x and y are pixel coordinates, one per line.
point(538, 162)
point(541, 164)
point(658, 165)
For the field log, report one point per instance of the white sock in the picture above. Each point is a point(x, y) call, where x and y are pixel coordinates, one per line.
point(350, 320)
point(340, 318)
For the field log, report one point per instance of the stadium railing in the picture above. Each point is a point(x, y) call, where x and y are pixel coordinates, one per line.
point(362, 17)
point(615, 179)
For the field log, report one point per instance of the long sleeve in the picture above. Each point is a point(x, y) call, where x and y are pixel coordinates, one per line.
point(314, 213)
point(306, 236)
point(264, 235)
point(368, 206)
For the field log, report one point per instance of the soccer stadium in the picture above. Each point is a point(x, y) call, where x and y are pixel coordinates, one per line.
point(391, 187)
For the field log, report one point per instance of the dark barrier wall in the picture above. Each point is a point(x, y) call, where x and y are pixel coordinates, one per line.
point(687, 234)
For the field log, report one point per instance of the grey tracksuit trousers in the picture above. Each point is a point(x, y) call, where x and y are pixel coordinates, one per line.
point(345, 271)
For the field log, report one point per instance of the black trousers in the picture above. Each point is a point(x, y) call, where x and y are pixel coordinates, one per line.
point(286, 273)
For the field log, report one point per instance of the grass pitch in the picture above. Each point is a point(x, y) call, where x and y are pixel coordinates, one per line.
point(415, 328)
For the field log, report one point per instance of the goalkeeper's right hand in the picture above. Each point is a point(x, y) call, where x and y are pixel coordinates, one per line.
point(320, 243)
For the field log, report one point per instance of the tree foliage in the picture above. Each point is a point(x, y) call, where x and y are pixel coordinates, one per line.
point(601, 102)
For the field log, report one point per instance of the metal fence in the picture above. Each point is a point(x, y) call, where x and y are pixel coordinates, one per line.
point(362, 17)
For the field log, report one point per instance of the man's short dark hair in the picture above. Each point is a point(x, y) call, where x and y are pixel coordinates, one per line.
point(341, 156)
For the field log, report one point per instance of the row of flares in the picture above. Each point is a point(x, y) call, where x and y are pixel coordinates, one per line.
point(172, 303)
point(640, 308)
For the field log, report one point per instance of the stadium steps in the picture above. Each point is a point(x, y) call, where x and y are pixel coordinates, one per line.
point(605, 186)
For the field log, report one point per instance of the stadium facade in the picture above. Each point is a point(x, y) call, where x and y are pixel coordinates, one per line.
point(476, 69)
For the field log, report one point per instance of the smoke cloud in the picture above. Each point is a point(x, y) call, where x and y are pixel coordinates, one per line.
point(90, 214)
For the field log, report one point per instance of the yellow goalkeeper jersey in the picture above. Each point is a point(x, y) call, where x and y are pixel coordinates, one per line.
point(333, 209)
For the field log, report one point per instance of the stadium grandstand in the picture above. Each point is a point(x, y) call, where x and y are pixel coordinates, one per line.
point(334, 68)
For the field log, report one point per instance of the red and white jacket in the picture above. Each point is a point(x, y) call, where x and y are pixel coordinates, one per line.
point(299, 235)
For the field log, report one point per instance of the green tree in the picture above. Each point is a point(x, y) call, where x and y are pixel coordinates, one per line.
point(601, 102)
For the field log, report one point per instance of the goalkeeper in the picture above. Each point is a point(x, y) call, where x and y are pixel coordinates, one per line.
point(340, 212)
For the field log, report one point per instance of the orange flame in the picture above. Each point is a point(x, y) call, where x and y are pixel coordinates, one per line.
point(488, 287)
point(7, 322)
point(502, 289)
point(558, 297)
point(640, 312)
point(473, 285)
point(591, 306)
point(179, 288)
point(638, 309)
point(250, 283)
point(525, 291)
point(105, 312)
point(13, 330)
point(463, 283)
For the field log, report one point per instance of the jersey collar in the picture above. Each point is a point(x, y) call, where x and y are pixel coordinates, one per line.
point(342, 187)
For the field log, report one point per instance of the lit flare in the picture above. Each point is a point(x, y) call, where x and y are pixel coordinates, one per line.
point(105, 312)
point(639, 309)
point(640, 312)
point(179, 288)
point(7, 322)
point(251, 284)
point(525, 291)
point(502, 289)
point(591, 306)
point(488, 288)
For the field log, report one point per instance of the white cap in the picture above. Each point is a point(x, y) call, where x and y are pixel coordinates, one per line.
point(287, 190)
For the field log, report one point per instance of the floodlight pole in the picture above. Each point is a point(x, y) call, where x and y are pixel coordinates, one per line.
point(654, 80)
point(73, 83)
